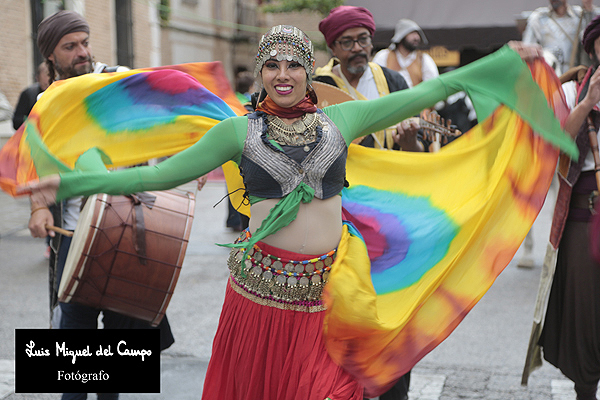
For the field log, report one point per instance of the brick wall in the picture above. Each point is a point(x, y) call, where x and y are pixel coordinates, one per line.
point(16, 58)
point(100, 14)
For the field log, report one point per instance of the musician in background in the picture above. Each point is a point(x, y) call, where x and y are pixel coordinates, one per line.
point(244, 87)
point(63, 40)
point(348, 31)
point(403, 54)
point(29, 96)
point(570, 336)
point(558, 29)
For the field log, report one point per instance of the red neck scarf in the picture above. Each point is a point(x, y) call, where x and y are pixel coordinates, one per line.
point(306, 105)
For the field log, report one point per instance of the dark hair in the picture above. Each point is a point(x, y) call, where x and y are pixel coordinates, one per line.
point(51, 71)
point(244, 81)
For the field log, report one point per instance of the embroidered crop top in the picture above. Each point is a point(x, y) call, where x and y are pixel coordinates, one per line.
point(269, 172)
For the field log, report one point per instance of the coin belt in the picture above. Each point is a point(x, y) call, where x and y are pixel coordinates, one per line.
point(285, 284)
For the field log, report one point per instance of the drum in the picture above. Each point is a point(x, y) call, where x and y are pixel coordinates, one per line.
point(127, 252)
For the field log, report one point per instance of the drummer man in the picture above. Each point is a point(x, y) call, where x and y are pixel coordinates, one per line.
point(64, 41)
point(348, 31)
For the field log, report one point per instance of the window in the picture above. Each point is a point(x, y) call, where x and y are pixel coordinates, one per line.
point(123, 14)
point(40, 9)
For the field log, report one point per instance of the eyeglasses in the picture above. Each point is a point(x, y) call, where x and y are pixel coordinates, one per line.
point(348, 44)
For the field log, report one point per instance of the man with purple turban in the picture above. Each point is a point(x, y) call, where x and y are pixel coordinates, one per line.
point(348, 31)
point(570, 336)
point(64, 41)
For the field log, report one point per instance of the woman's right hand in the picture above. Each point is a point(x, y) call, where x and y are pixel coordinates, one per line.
point(43, 192)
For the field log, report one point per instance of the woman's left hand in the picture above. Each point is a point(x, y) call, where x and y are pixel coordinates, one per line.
point(528, 52)
point(42, 192)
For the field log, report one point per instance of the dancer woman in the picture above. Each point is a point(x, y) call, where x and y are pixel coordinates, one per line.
point(269, 342)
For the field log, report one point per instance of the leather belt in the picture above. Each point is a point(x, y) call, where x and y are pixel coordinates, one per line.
point(584, 201)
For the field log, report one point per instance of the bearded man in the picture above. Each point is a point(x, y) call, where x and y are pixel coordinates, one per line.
point(348, 31)
point(403, 55)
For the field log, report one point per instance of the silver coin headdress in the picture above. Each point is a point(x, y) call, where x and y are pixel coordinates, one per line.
point(286, 42)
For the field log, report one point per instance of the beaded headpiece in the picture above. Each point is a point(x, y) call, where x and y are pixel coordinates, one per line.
point(286, 42)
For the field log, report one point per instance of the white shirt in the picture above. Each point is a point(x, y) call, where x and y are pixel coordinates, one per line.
point(366, 84)
point(429, 69)
point(557, 34)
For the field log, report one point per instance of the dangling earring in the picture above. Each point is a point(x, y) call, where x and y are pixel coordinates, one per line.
point(312, 95)
point(262, 92)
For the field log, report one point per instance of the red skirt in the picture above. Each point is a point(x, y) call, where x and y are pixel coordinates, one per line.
point(266, 352)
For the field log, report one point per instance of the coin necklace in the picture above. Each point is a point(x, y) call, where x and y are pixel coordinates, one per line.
point(299, 133)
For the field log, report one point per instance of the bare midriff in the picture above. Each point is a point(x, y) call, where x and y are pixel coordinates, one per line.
point(316, 230)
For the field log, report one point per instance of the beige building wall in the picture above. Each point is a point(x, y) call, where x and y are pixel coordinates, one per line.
point(100, 15)
point(188, 34)
point(198, 30)
point(16, 69)
point(143, 40)
point(309, 23)
point(204, 31)
point(16, 58)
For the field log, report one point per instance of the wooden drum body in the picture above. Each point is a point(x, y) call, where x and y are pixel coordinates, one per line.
point(127, 252)
point(329, 95)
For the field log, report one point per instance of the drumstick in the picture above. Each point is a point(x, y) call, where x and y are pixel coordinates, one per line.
point(59, 230)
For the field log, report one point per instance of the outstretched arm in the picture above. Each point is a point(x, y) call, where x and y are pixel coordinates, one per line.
point(220, 144)
point(501, 77)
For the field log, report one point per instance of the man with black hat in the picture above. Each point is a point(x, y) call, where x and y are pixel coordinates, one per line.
point(403, 54)
point(348, 31)
point(64, 41)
